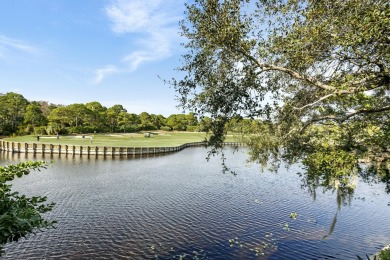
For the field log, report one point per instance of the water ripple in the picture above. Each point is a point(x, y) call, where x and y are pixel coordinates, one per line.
point(180, 206)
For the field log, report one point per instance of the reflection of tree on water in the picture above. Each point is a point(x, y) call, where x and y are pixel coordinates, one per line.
point(332, 225)
point(376, 173)
point(341, 197)
point(344, 190)
point(344, 185)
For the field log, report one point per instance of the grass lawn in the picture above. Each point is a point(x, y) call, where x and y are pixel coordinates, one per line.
point(158, 139)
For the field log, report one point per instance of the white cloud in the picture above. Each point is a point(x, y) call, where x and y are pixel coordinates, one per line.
point(154, 47)
point(102, 73)
point(128, 16)
point(152, 24)
point(11, 45)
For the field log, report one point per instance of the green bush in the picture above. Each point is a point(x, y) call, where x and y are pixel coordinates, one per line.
point(40, 130)
point(148, 128)
point(385, 254)
point(192, 128)
point(26, 130)
point(20, 215)
point(165, 128)
point(132, 129)
point(6, 129)
point(52, 129)
point(80, 129)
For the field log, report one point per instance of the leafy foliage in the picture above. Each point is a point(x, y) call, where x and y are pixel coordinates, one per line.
point(12, 109)
point(20, 215)
point(315, 73)
point(385, 254)
point(23, 117)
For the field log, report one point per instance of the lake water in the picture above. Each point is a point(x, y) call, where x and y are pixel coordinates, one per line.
point(180, 205)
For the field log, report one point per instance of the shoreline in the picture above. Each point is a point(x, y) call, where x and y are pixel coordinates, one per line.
point(41, 148)
point(376, 256)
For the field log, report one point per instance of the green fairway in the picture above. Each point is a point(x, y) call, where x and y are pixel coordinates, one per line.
point(158, 139)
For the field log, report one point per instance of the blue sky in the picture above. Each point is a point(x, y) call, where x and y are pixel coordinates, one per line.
point(77, 51)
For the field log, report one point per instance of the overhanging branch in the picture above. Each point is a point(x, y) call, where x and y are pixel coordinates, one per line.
point(293, 73)
point(346, 117)
point(315, 102)
point(313, 81)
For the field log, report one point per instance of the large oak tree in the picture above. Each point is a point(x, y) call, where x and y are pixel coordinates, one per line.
point(316, 73)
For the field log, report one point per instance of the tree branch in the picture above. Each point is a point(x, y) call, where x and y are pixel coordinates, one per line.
point(344, 118)
point(293, 73)
point(364, 80)
point(315, 102)
point(311, 80)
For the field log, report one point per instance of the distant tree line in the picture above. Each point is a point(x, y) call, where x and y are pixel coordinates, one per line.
point(21, 117)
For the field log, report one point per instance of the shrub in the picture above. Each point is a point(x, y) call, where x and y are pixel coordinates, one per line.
point(20, 215)
point(52, 129)
point(28, 129)
point(192, 128)
point(148, 128)
point(165, 128)
point(385, 254)
point(78, 130)
point(40, 130)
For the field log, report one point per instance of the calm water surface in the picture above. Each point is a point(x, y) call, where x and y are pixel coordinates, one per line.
point(179, 205)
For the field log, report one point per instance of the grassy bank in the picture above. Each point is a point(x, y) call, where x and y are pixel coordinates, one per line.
point(160, 139)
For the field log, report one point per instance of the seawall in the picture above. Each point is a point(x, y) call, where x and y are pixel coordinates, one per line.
point(40, 148)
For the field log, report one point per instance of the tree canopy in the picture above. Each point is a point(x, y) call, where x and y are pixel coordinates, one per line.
point(315, 72)
point(12, 109)
point(20, 116)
